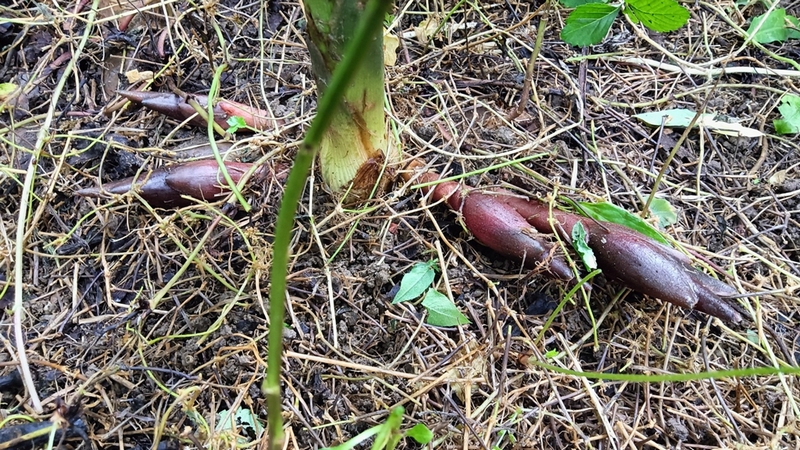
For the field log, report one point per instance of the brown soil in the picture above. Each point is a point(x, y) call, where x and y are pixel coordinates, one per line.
point(161, 377)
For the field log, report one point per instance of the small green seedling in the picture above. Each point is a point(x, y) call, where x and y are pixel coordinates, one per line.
point(579, 243)
point(664, 212)
point(228, 422)
point(416, 281)
point(6, 89)
point(589, 23)
point(388, 434)
point(236, 123)
point(442, 312)
point(552, 353)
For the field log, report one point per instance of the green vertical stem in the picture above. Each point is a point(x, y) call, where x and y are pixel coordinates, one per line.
point(369, 28)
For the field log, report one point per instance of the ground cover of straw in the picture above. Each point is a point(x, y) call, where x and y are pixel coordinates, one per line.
point(91, 267)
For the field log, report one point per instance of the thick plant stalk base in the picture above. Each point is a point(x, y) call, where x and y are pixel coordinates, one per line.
point(356, 142)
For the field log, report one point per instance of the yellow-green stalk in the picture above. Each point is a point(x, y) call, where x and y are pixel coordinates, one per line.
point(355, 145)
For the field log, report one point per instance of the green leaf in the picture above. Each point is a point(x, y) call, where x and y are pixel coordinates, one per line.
point(414, 283)
point(235, 123)
point(790, 115)
point(658, 15)
point(442, 312)
point(385, 433)
point(664, 212)
point(552, 353)
point(607, 212)
point(771, 27)
point(794, 31)
point(582, 248)
point(678, 117)
point(589, 24)
point(420, 433)
point(576, 3)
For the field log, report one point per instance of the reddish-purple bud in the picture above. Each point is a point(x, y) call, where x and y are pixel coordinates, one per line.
point(169, 186)
point(501, 228)
point(497, 225)
point(637, 261)
point(651, 268)
point(178, 108)
point(175, 106)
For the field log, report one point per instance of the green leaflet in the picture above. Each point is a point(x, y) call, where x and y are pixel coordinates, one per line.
point(415, 282)
point(442, 312)
point(576, 3)
point(420, 433)
point(582, 248)
point(607, 212)
point(773, 27)
point(589, 24)
point(658, 15)
point(664, 212)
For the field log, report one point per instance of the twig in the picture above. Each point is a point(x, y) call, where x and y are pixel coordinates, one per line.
point(526, 87)
point(722, 402)
point(675, 148)
point(700, 71)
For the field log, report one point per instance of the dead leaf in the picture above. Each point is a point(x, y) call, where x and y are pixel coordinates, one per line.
point(135, 76)
point(390, 45)
point(778, 177)
point(425, 30)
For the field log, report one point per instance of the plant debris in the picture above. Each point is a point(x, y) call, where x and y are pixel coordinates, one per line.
point(88, 269)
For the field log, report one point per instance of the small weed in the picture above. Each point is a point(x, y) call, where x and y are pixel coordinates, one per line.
point(442, 312)
point(774, 26)
point(388, 434)
point(589, 23)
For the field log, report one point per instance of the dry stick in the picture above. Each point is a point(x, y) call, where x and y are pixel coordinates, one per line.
point(27, 188)
point(674, 151)
point(190, 260)
point(467, 423)
point(680, 95)
point(326, 266)
point(764, 148)
point(526, 87)
point(708, 73)
point(589, 388)
point(373, 369)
